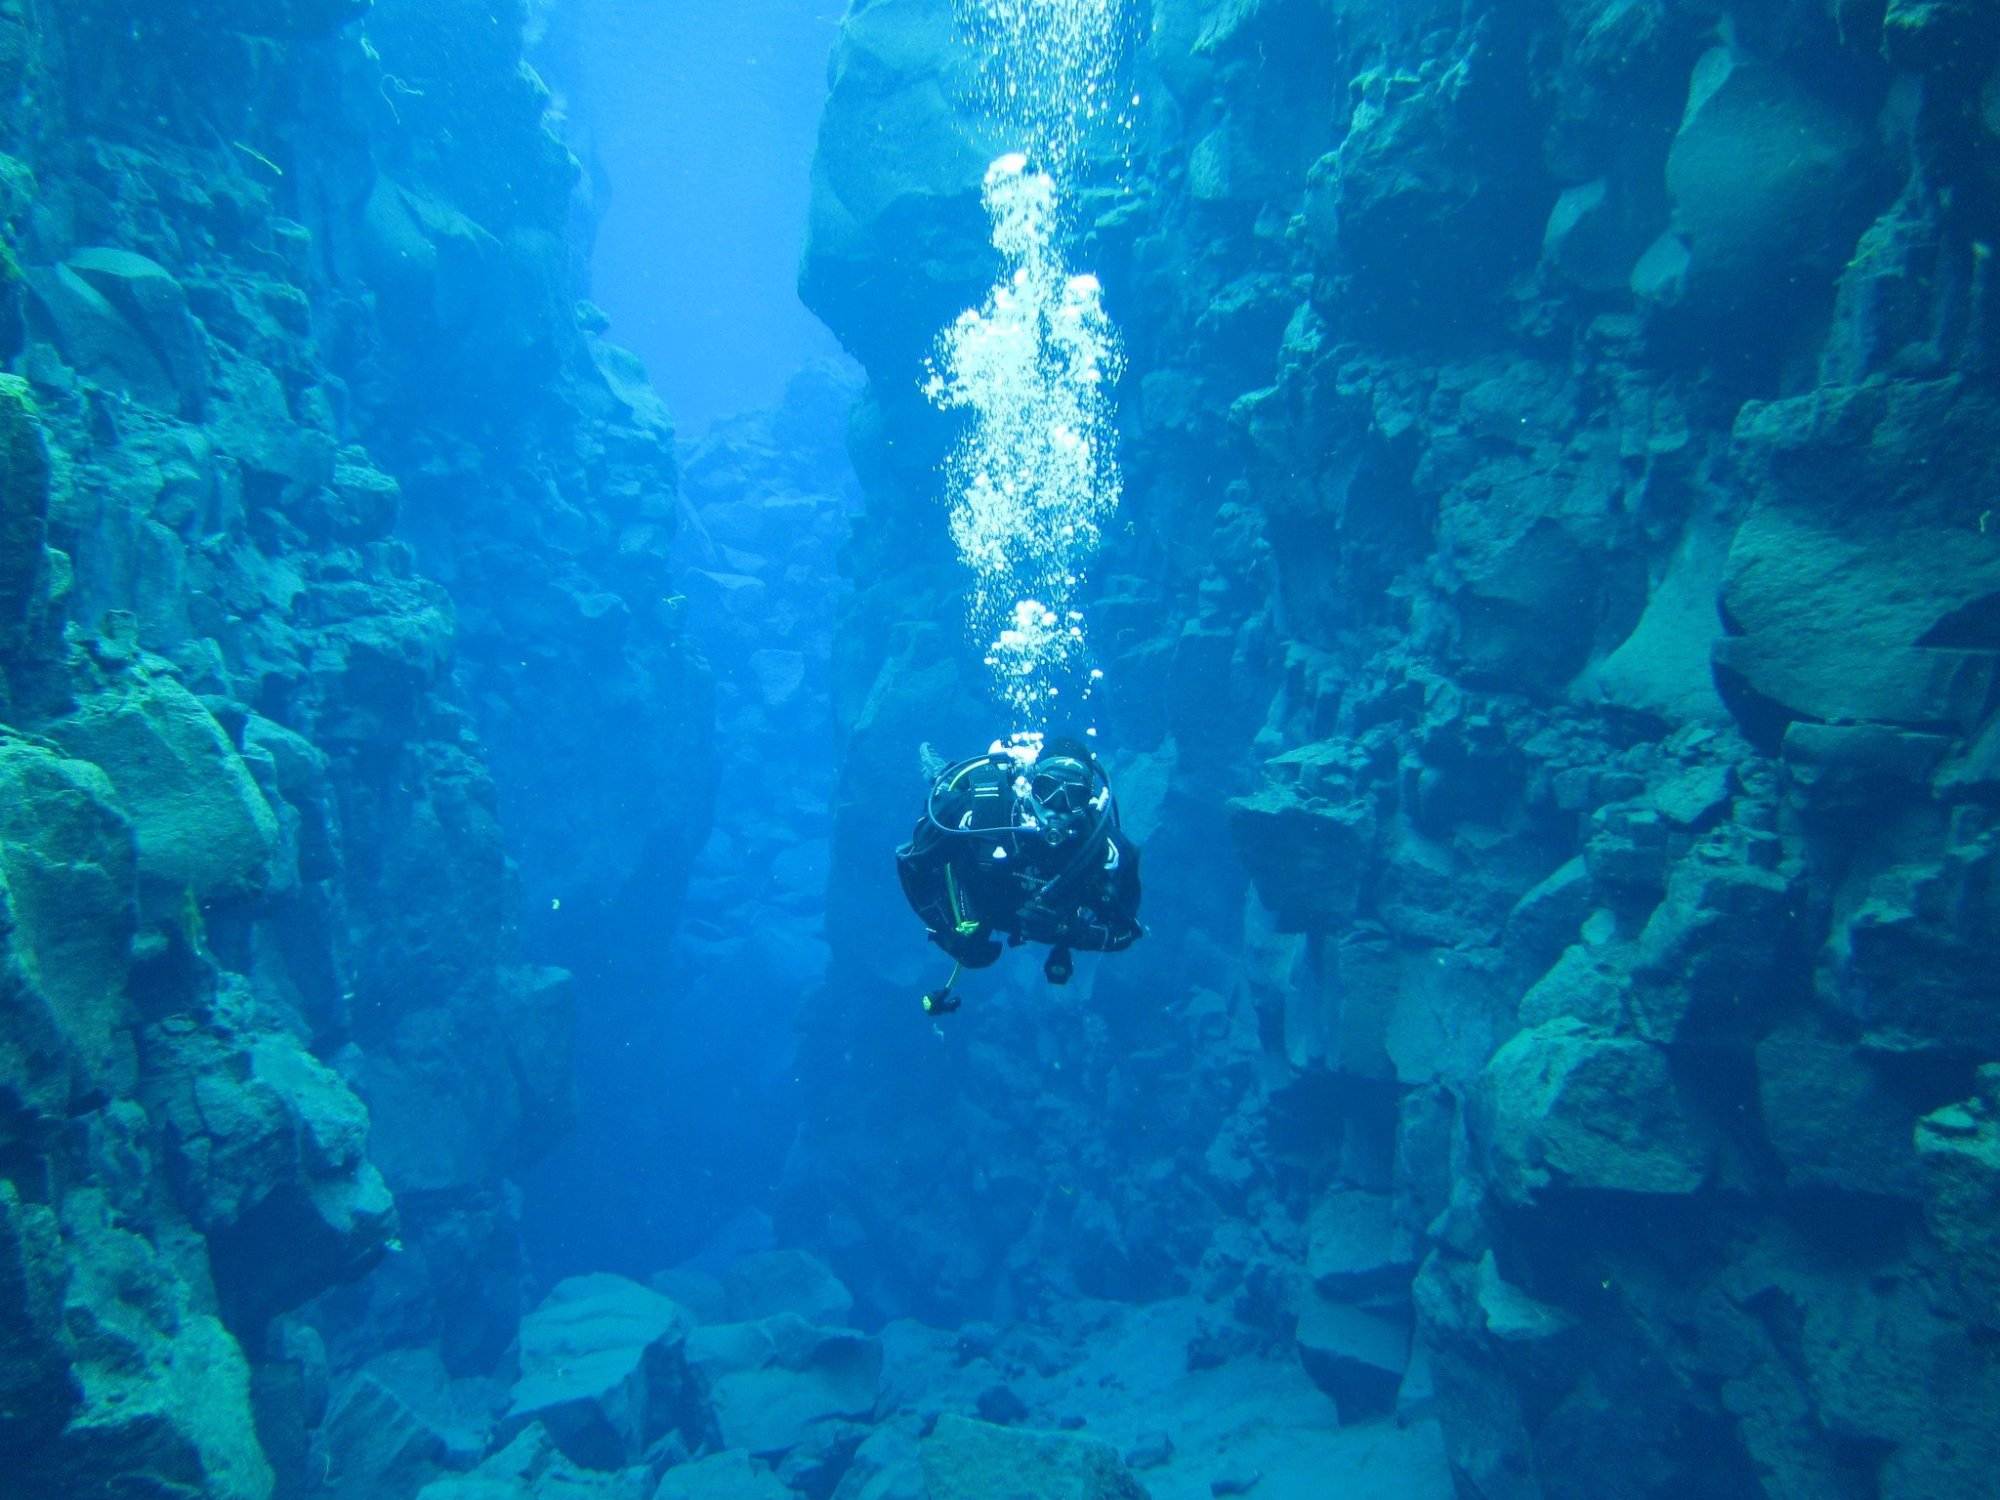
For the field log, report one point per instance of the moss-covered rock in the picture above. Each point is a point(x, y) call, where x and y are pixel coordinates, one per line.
point(203, 827)
point(67, 888)
point(24, 503)
point(166, 1390)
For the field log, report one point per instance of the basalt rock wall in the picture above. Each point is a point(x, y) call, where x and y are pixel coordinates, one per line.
point(1551, 650)
point(333, 547)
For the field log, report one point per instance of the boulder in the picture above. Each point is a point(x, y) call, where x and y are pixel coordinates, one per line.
point(968, 1460)
point(399, 1422)
point(1594, 236)
point(1586, 985)
point(1832, 1119)
point(779, 675)
point(1536, 564)
point(772, 1381)
point(267, 1148)
point(785, 1281)
point(1958, 1149)
point(68, 875)
point(1354, 1246)
point(1766, 178)
point(204, 831)
point(97, 340)
point(1663, 667)
point(729, 1475)
point(1850, 593)
point(908, 218)
point(1306, 856)
point(153, 302)
point(887, 1466)
point(1546, 920)
point(1710, 961)
point(1356, 1354)
point(166, 1390)
point(1911, 962)
point(532, 1467)
point(1564, 1107)
point(607, 1370)
point(1510, 1315)
point(1418, 192)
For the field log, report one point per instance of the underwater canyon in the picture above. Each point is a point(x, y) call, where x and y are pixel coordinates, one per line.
point(459, 1034)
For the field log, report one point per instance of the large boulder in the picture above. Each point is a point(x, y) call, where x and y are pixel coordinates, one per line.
point(1767, 179)
point(1853, 591)
point(772, 1382)
point(1834, 1117)
point(606, 1369)
point(786, 1281)
point(729, 1475)
point(165, 1390)
point(96, 340)
point(1537, 566)
point(1566, 1107)
point(1419, 192)
point(1959, 1150)
point(896, 244)
point(67, 915)
point(1354, 1246)
point(968, 1460)
point(1911, 961)
point(1356, 1354)
point(400, 1421)
point(1307, 854)
point(205, 832)
point(1709, 962)
point(153, 302)
point(532, 1467)
point(268, 1150)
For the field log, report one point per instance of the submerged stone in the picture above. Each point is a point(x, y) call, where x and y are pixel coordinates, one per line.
point(204, 830)
point(968, 1460)
point(1565, 1107)
point(606, 1369)
point(729, 1475)
point(1958, 1148)
point(771, 1382)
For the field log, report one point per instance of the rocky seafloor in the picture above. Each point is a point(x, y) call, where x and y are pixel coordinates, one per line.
point(1552, 641)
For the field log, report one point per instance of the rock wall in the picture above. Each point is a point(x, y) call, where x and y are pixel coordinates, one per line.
point(1552, 658)
point(295, 372)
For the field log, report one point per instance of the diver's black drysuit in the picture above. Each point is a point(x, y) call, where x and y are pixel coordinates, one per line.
point(978, 868)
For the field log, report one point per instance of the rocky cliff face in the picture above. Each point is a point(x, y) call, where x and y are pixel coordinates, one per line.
point(1552, 654)
point(297, 366)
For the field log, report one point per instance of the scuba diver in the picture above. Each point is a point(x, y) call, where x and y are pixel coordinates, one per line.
point(1024, 843)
